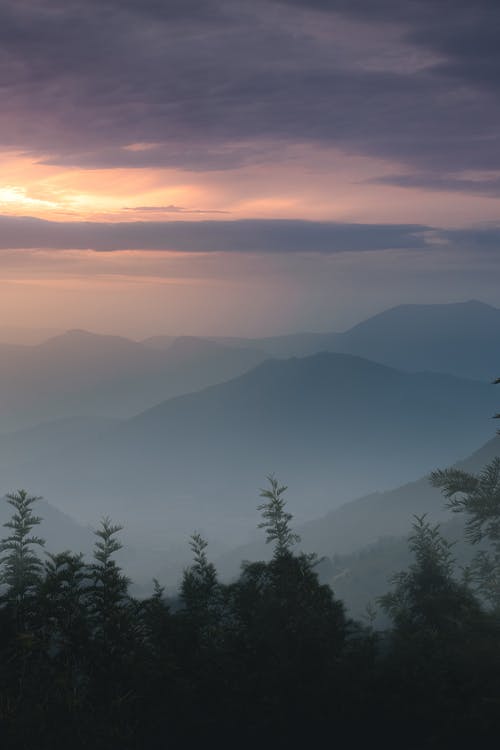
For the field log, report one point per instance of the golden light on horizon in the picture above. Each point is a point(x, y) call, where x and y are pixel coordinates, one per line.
point(28, 186)
point(341, 190)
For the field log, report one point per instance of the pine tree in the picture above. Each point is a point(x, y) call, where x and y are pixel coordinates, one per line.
point(21, 566)
point(287, 631)
point(436, 669)
point(200, 579)
point(201, 593)
point(109, 587)
point(276, 519)
point(63, 595)
point(477, 496)
point(426, 598)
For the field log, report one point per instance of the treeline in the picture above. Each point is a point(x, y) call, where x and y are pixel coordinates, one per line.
point(269, 659)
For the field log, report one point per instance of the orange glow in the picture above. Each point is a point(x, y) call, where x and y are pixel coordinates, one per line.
point(303, 182)
point(63, 194)
point(145, 292)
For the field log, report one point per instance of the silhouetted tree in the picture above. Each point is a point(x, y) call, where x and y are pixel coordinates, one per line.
point(435, 650)
point(199, 582)
point(276, 520)
point(20, 566)
point(269, 658)
point(286, 633)
point(63, 597)
point(109, 587)
point(427, 599)
point(477, 497)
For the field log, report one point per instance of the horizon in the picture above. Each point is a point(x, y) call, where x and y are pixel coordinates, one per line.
point(34, 335)
point(157, 175)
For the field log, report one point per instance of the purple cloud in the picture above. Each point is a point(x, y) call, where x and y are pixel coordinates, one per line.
point(215, 86)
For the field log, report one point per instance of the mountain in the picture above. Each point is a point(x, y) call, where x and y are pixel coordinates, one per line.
point(362, 573)
point(159, 342)
point(84, 374)
point(364, 542)
point(78, 373)
point(332, 426)
point(289, 345)
point(45, 441)
point(360, 577)
point(461, 339)
point(364, 521)
point(25, 336)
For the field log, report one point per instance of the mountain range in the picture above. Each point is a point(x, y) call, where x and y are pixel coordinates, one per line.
point(461, 338)
point(82, 374)
point(363, 543)
point(173, 434)
point(331, 425)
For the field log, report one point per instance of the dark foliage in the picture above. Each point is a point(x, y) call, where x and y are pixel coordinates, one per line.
point(270, 659)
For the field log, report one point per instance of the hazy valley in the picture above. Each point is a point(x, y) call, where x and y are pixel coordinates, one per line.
point(103, 429)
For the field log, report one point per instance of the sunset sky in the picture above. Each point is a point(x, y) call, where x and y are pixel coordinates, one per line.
point(245, 167)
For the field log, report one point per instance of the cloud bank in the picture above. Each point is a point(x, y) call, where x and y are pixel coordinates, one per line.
point(243, 236)
point(239, 236)
point(210, 86)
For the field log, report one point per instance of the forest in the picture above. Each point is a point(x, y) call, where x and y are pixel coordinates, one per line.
point(271, 657)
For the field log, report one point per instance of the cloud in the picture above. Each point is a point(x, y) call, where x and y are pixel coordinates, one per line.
point(219, 85)
point(483, 239)
point(174, 210)
point(489, 187)
point(242, 236)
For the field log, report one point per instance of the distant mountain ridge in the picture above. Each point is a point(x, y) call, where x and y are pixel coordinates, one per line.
point(331, 425)
point(85, 374)
point(79, 373)
point(461, 338)
point(365, 540)
point(390, 513)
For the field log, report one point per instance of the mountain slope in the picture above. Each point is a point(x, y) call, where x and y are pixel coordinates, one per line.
point(380, 514)
point(460, 338)
point(85, 374)
point(332, 426)
point(364, 542)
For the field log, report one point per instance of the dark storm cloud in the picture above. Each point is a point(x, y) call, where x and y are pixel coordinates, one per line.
point(252, 235)
point(213, 85)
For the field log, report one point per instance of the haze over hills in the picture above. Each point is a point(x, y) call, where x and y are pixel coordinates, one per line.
point(411, 337)
point(365, 540)
point(371, 533)
point(364, 521)
point(26, 336)
point(84, 374)
point(460, 338)
point(97, 430)
point(463, 339)
point(333, 426)
point(78, 373)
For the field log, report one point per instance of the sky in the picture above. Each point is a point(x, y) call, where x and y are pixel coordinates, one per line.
point(245, 167)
